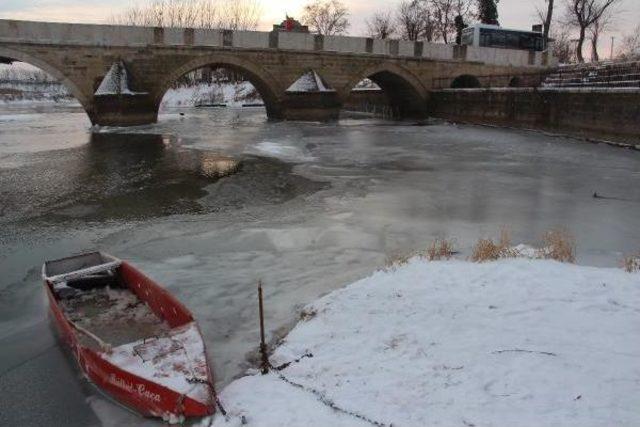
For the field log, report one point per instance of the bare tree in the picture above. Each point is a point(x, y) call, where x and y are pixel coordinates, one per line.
point(598, 27)
point(381, 25)
point(548, 19)
point(630, 49)
point(429, 33)
point(326, 17)
point(240, 14)
point(562, 46)
point(415, 21)
point(444, 13)
point(227, 14)
point(582, 14)
point(546, 16)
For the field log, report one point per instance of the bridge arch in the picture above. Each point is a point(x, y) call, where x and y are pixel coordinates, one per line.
point(406, 93)
point(266, 85)
point(465, 81)
point(74, 89)
point(516, 82)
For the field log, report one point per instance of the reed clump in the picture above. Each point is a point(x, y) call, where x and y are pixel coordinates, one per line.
point(439, 249)
point(631, 264)
point(490, 250)
point(398, 259)
point(558, 245)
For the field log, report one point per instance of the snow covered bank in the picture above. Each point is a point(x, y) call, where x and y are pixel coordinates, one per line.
point(24, 84)
point(24, 92)
point(513, 342)
point(231, 94)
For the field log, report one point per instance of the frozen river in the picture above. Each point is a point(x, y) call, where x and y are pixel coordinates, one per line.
point(311, 208)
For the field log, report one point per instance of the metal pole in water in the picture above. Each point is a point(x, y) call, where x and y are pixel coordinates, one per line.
point(263, 345)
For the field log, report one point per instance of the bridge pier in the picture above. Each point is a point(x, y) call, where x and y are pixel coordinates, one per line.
point(311, 106)
point(124, 110)
point(140, 109)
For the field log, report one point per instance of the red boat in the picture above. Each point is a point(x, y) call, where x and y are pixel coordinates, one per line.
point(130, 337)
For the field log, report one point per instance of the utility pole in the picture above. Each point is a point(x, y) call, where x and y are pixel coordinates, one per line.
point(611, 55)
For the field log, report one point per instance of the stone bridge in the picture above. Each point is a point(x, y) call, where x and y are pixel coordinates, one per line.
point(80, 56)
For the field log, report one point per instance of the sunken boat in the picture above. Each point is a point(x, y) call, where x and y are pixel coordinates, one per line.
point(130, 336)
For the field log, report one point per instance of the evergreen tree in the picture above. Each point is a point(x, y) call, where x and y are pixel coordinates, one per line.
point(488, 12)
point(460, 25)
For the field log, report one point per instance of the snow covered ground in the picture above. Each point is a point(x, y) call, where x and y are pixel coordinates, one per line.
point(310, 82)
point(231, 94)
point(116, 82)
point(517, 342)
point(22, 84)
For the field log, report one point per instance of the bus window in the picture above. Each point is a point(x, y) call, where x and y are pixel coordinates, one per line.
point(467, 36)
point(506, 39)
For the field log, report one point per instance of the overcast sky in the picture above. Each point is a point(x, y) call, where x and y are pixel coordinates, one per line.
point(513, 13)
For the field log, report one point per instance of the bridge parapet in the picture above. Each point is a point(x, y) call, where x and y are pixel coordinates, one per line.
point(12, 31)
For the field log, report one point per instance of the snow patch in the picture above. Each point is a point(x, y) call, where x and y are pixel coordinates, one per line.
point(526, 251)
point(282, 151)
point(512, 342)
point(176, 361)
point(116, 82)
point(310, 82)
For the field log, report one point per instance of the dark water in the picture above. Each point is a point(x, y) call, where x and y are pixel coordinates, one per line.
point(123, 177)
point(211, 202)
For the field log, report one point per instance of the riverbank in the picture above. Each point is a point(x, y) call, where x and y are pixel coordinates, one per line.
point(512, 342)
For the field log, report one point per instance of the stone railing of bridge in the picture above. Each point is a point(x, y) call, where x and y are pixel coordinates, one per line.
point(130, 36)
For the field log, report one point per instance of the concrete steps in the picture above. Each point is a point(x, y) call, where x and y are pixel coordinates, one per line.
point(605, 74)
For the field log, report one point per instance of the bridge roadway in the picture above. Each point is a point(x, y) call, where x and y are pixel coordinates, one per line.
point(81, 55)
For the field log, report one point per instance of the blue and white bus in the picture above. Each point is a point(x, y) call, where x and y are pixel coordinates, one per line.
point(483, 35)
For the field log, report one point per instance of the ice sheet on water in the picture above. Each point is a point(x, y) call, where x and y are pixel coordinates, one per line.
point(283, 151)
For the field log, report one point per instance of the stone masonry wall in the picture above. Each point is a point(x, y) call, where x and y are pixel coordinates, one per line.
point(601, 114)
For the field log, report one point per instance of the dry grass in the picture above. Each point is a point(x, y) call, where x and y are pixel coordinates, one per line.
point(488, 250)
point(398, 259)
point(631, 264)
point(306, 315)
point(558, 245)
point(439, 249)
